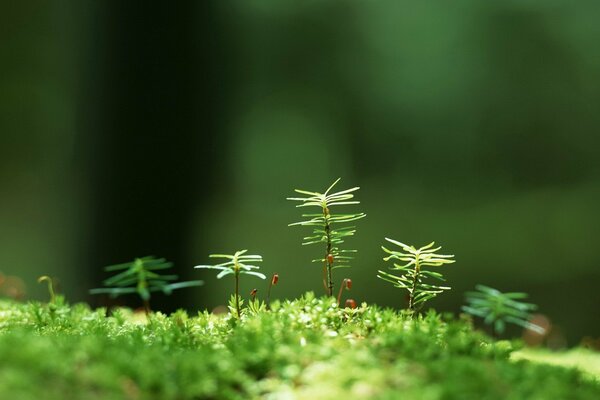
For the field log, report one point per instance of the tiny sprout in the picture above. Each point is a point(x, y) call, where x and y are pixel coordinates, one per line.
point(236, 264)
point(253, 294)
point(273, 282)
point(346, 283)
point(50, 281)
point(412, 273)
point(350, 303)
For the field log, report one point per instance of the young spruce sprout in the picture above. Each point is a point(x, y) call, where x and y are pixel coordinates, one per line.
point(412, 274)
point(347, 284)
point(498, 309)
point(329, 229)
point(141, 273)
point(236, 264)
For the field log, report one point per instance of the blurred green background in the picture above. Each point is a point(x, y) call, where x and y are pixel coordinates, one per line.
point(178, 131)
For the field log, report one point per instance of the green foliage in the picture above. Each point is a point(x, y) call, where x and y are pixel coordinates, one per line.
point(329, 229)
point(140, 276)
point(412, 272)
point(255, 306)
point(303, 348)
point(237, 264)
point(498, 309)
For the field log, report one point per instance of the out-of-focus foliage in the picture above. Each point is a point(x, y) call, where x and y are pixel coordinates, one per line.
point(498, 309)
point(142, 276)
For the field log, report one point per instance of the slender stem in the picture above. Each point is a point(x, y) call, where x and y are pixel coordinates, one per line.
point(269, 294)
point(147, 307)
point(411, 296)
point(339, 298)
point(328, 260)
point(50, 287)
point(237, 294)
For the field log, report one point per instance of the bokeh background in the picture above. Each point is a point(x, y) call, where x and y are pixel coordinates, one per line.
point(128, 130)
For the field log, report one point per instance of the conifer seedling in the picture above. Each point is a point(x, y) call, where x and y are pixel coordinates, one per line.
point(497, 309)
point(412, 273)
point(237, 264)
point(140, 276)
point(329, 229)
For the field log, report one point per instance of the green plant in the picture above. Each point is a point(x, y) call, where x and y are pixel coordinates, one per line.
point(413, 274)
point(497, 308)
point(236, 265)
point(329, 229)
point(50, 282)
point(347, 284)
point(141, 273)
point(272, 282)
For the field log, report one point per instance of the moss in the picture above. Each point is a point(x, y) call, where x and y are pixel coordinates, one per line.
point(306, 348)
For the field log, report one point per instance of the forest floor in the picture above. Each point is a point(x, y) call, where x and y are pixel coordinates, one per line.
point(302, 349)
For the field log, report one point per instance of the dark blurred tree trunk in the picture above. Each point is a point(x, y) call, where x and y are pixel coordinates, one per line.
point(153, 121)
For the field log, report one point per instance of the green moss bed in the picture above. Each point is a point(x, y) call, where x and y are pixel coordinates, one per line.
point(303, 349)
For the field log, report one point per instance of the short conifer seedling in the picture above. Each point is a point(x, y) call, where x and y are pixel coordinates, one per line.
point(497, 309)
point(237, 264)
point(329, 229)
point(412, 272)
point(140, 276)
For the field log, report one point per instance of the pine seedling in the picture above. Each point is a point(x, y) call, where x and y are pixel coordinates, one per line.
point(236, 265)
point(497, 309)
point(140, 276)
point(329, 229)
point(412, 273)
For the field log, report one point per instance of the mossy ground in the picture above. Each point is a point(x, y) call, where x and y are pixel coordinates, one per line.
point(303, 349)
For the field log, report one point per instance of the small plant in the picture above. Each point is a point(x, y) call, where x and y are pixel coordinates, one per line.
point(236, 265)
point(412, 273)
point(497, 309)
point(347, 284)
point(50, 282)
point(272, 282)
point(141, 273)
point(255, 306)
point(329, 229)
